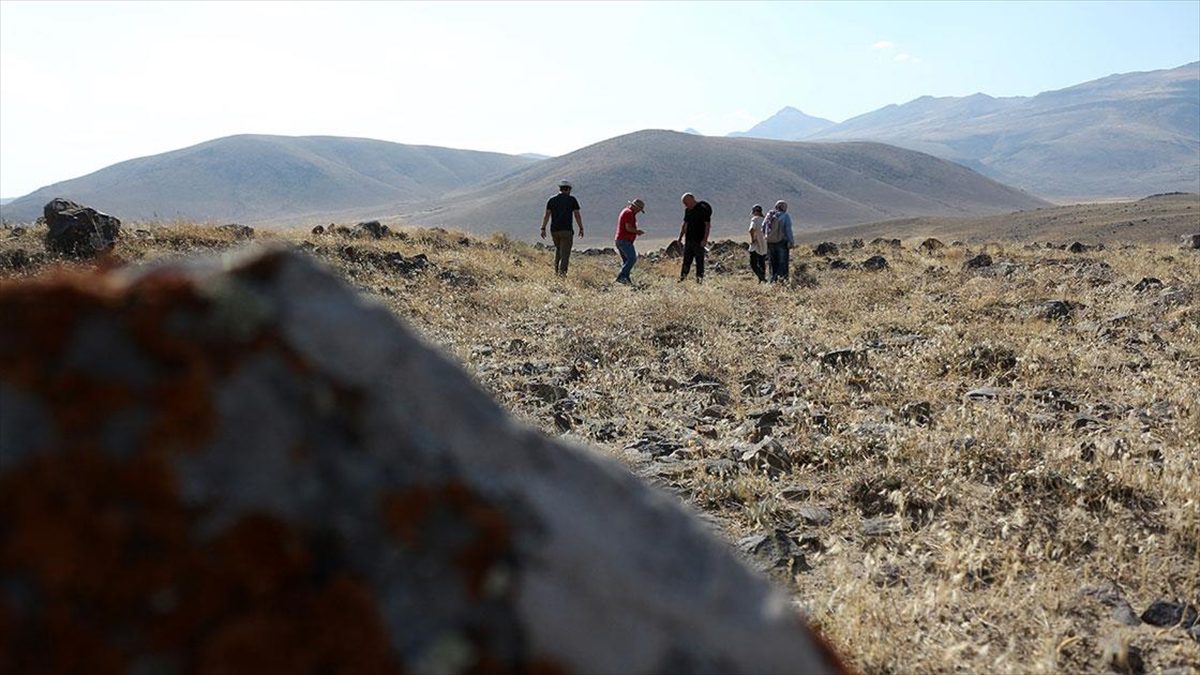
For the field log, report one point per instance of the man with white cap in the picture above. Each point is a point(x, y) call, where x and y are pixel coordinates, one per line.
point(560, 209)
point(778, 228)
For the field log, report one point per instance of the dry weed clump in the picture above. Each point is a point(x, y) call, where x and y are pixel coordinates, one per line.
point(952, 469)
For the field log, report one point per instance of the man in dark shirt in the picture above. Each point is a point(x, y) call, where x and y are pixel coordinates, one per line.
point(560, 209)
point(693, 234)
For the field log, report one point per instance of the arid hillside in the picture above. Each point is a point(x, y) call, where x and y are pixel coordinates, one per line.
point(984, 458)
point(1156, 219)
point(837, 184)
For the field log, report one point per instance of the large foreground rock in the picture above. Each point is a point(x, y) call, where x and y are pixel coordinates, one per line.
point(78, 230)
point(252, 470)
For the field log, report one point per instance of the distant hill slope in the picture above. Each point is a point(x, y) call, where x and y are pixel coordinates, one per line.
point(788, 124)
point(252, 178)
point(826, 183)
point(1120, 136)
point(1159, 218)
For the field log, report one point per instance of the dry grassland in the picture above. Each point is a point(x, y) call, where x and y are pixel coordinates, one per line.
point(977, 485)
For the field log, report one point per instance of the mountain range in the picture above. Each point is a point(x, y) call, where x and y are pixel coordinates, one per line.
point(1125, 135)
point(259, 178)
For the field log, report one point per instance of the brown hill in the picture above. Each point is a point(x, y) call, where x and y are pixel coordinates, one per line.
point(828, 184)
point(260, 178)
point(1159, 218)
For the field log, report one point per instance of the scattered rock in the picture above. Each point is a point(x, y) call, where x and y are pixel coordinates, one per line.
point(720, 467)
point(1056, 309)
point(1166, 614)
point(825, 248)
point(775, 550)
point(674, 249)
point(17, 232)
point(875, 263)
point(978, 262)
point(815, 515)
point(77, 230)
point(1079, 247)
point(917, 412)
point(856, 243)
point(1191, 241)
point(371, 228)
point(769, 456)
point(1147, 284)
point(839, 264)
point(322, 479)
point(143, 234)
point(654, 444)
point(795, 494)
point(547, 392)
point(881, 241)
point(849, 358)
point(238, 231)
point(319, 229)
point(930, 245)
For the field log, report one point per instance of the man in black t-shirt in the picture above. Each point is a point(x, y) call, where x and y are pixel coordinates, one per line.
point(560, 209)
point(693, 234)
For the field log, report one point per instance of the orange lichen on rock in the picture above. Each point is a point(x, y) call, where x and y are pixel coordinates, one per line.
point(424, 509)
point(108, 559)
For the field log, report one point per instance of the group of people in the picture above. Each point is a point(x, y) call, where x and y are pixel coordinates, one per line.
point(770, 233)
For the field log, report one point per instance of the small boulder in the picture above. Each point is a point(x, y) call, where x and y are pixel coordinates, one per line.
point(1166, 614)
point(856, 243)
point(1079, 247)
point(825, 248)
point(674, 249)
point(1191, 241)
point(930, 245)
point(851, 358)
point(78, 230)
point(1147, 284)
point(320, 229)
point(1054, 310)
point(883, 241)
point(978, 262)
point(768, 456)
point(875, 263)
point(238, 231)
point(371, 228)
point(839, 264)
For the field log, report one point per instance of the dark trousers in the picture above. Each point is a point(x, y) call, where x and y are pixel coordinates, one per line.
point(758, 265)
point(563, 240)
point(692, 250)
point(778, 254)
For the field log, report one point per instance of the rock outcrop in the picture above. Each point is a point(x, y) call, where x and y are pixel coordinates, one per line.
point(78, 230)
point(251, 469)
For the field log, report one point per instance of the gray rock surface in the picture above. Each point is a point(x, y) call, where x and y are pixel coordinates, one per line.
point(78, 230)
point(267, 470)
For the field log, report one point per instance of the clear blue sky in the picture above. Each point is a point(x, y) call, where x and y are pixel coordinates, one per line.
point(85, 85)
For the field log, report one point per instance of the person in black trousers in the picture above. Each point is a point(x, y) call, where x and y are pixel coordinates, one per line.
point(693, 234)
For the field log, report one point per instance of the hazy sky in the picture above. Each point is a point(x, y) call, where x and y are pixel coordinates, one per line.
point(85, 85)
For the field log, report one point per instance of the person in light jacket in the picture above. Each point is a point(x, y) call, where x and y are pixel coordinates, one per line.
point(758, 244)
